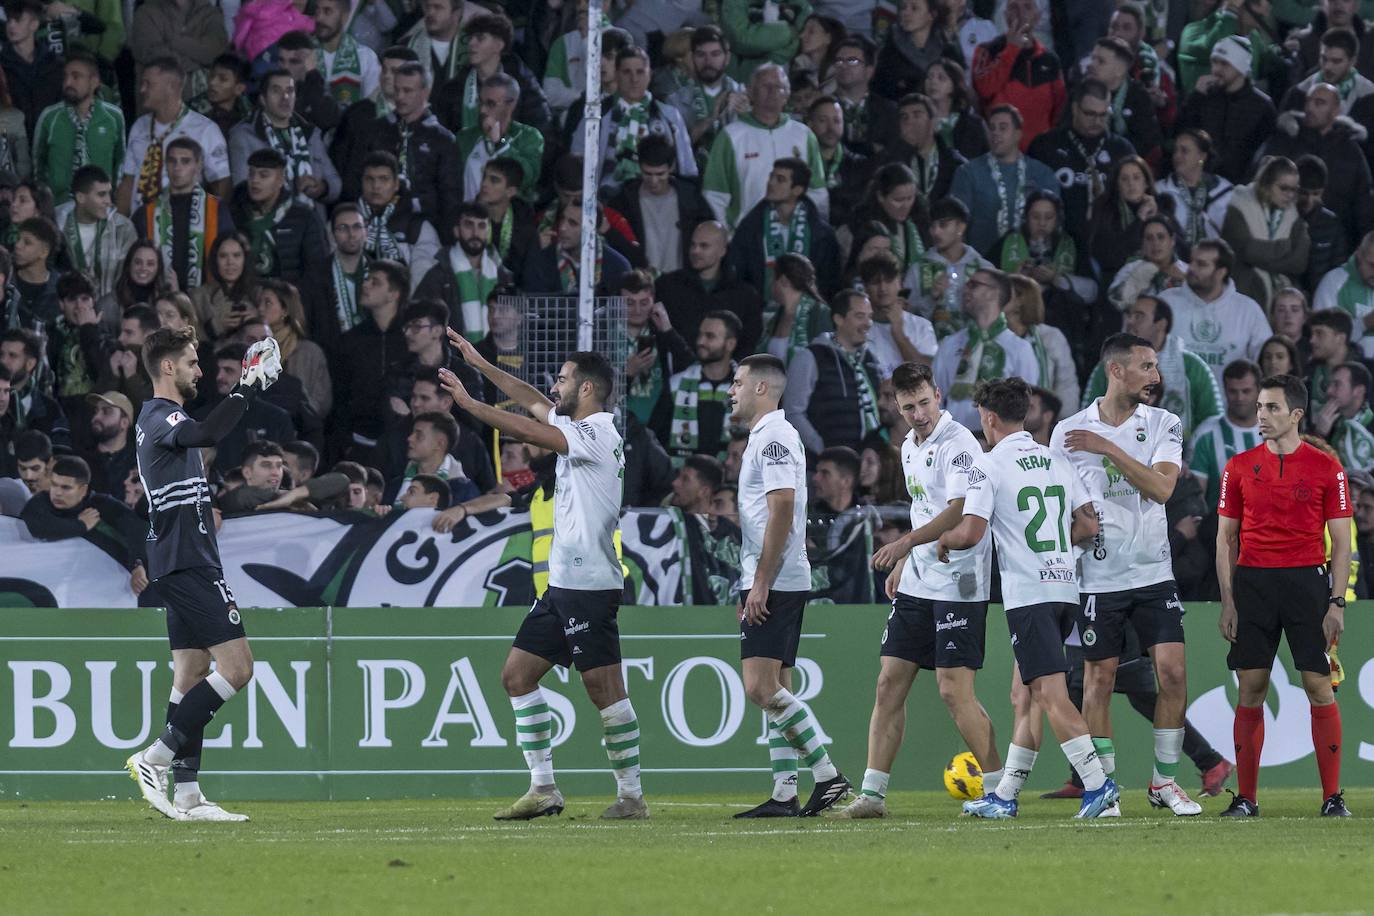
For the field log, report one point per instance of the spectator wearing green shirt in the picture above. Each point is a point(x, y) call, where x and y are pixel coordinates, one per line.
point(1219, 439)
point(80, 130)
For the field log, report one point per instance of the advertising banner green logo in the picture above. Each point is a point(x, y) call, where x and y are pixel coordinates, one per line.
point(388, 702)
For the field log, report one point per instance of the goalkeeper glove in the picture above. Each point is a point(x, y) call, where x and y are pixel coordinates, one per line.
point(261, 366)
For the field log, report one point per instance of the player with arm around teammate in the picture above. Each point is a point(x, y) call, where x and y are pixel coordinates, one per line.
point(775, 581)
point(939, 610)
point(574, 623)
point(1037, 508)
point(203, 621)
point(1128, 455)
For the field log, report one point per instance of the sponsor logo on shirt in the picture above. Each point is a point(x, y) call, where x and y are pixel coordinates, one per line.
point(175, 417)
point(963, 461)
point(776, 452)
point(575, 627)
point(586, 429)
point(976, 476)
point(1176, 432)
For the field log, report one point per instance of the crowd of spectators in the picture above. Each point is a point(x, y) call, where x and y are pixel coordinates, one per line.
point(988, 186)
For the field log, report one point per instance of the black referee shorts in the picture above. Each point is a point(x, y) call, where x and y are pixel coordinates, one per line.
point(201, 611)
point(1271, 602)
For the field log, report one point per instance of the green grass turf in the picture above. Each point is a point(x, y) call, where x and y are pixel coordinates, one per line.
point(447, 856)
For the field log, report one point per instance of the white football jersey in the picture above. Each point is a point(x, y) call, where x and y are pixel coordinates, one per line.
point(773, 460)
point(1131, 549)
point(1028, 494)
point(936, 474)
point(586, 504)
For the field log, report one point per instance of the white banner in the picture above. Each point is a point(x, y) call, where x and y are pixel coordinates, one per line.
point(283, 559)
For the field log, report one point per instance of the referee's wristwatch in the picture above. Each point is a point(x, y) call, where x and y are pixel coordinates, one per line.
point(1337, 600)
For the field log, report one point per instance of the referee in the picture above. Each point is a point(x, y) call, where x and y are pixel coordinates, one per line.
point(1271, 564)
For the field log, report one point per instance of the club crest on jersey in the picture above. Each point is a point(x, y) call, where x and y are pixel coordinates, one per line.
point(775, 451)
point(1089, 637)
point(1140, 435)
point(930, 458)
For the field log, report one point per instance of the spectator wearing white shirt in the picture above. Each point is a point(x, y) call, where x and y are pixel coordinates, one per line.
point(985, 349)
point(897, 336)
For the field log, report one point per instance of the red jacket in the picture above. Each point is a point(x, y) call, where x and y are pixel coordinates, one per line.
point(1028, 78)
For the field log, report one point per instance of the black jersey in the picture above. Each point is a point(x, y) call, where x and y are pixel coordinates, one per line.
point(181, 525)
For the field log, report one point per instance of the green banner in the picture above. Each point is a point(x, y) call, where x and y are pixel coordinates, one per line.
point(372, 703)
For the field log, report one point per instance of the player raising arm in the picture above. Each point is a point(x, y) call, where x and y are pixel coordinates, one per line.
point(203, 622)
point(574, 623)
point(775, 581)
point(1276, 500)
point(1037, 508)
point(939, 611)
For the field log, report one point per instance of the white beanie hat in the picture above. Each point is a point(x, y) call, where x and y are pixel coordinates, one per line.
point(1235, 50)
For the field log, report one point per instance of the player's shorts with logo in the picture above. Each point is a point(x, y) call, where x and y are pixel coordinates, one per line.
point(936, 634)
point(573, 628)
point(1038, 632)
point(201, 611)
point(779, 635)
point(1155, 611)
point(1271, 603)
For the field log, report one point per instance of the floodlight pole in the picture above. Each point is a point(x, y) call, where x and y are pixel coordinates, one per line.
point(591, 167)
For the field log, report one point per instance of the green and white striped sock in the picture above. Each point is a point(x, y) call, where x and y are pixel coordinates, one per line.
point(534, 732)
point(784, 759)
point(875, 783)
point(1106, 752)
point(797, 724)
point(1168, 748)
point(621, 729)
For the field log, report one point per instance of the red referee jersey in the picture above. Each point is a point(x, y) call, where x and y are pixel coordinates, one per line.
point(1283, 503)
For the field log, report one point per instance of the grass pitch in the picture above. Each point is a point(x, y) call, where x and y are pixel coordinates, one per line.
point(448, 856)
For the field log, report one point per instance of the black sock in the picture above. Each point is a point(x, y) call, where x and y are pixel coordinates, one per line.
point(196, 708)
point(186, 766)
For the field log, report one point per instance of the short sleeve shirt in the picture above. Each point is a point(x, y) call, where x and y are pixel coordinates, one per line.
point(773, 460)
point(587, 491)
point(1131, 549)
point(199, 128)
point(936, 473)
point(1028, 494)
point(1283, 503)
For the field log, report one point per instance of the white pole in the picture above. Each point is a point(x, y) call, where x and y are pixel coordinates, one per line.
point(591, 166)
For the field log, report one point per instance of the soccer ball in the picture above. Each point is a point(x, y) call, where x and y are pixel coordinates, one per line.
point(963, 777)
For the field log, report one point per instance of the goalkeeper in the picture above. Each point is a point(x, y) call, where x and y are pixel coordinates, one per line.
point(203, 622)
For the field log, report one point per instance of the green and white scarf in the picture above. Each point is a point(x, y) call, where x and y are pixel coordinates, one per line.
point(1011, 202)
point(1042, 357)
point(292, 141)
point(1090, 165)
point(472, 112)
point(778, 240)
point(1273, 216)
point(195, 243)
point(503, 233)
point(868, 397)
point(982, 358)
point(569, 263)
point(832, 168)
point(855, 120)
point(926, 168)
point(79, 124)
point(77, 379)
point(262, 230)
point(85, 262)
point(1017, 251)
point(381, 241)
point(473, 288)
point(804, 326)
point(1354, 442)
point(1118, 109)
point(631, 124)
point(403, 153)
point(906, 244)
point(1198, 198)
point(448, 468)
point(688, 393)
point(345, 294)
point(346, 75)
